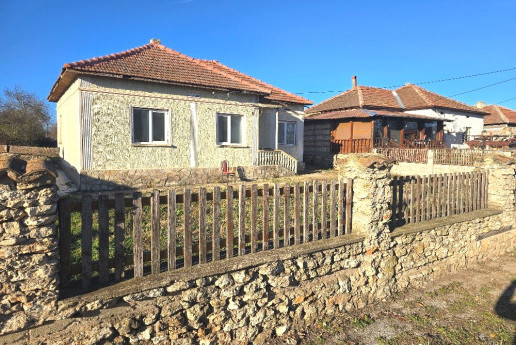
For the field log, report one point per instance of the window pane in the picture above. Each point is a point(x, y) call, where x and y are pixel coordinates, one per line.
point(140, 125)
point(291, 133)
point(281, 133)
point(222, 129)
point(236, 133)
point(158, 126)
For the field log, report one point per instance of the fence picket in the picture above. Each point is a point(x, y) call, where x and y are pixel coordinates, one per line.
point(412, 216)
point(286, 215)
point(65, 240)
point(254, 217)
point(137, 235)
point(485, 189)
point(297, 221)
point(340, 209)
point(216, 224)
point(333, 204)
point(265, 221)
point(86, 241)
point(349, 205)
point(172, 231)
point(155, 238)
point(241, 220)
point(229, 222)
point(315, 225)
point(275, 216)
point(187, 242)
point(103, 240)
point(119, 235)
point(306, 205)
point(324, 201)
point(418, 199)
point(203, 250)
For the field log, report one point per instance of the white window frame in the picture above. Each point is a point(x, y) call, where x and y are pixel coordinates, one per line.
point(151, 142)
point(228, 134)
point(285, 133)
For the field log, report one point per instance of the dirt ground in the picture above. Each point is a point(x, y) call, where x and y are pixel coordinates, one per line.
point(474, 306)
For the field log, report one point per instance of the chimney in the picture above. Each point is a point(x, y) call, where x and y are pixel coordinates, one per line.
point(155, 41)
point(480, 104)
point(354, 81)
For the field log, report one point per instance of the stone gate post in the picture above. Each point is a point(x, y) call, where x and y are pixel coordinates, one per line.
point(28, 243)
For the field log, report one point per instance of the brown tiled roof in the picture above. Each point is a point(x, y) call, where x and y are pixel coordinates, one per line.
point(358, 97)
point(365, 113)
point(499, 115)
point(415, 97)
point(157, 63)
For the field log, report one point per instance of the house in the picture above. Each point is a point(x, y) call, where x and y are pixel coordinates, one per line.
point(500, 121)
point(151, 116)
point(461, 120)
point(364, 118)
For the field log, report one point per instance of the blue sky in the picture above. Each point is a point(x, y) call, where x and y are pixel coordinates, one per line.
point(300, 46)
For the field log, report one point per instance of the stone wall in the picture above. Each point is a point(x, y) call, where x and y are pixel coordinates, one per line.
point(28, 243)
point(256, 297)
point(163, 178)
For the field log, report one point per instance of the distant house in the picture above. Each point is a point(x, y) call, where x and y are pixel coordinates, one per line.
point(366, 117)
point(500, 121)
point(152, 113)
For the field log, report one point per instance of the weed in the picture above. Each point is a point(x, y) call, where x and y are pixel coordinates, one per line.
point(363, 321)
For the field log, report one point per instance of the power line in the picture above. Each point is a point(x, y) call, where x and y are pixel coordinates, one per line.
point(483, 87)
point(419, 83)
point(507, 100)
point(455, 78)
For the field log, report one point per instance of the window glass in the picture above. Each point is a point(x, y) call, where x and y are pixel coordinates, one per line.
point(236, 133)
point(291, 133)
point(158, 126)
point(281, 133)
point(140, 125)
point(430, 130)
point(222, 129)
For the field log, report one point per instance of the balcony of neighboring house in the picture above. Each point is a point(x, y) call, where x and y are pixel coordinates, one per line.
point(363, 136)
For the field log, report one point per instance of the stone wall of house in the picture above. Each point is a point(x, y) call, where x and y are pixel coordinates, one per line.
point(163, 178)
point(28, 243)
point(253, 298)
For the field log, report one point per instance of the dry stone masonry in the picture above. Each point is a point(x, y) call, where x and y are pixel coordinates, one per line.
point(253, 298)
point(28, 242)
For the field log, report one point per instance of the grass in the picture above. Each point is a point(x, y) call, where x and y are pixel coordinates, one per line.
point(362, 321)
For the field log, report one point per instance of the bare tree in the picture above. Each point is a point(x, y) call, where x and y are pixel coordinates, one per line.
point(24, 119)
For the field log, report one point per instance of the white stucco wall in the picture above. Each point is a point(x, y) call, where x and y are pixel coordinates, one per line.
point(454, 129)
point(68, 125)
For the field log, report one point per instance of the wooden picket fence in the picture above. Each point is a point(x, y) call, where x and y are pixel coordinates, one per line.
point(405, 155)
point(421, 198)
point(457, 156)
point(119, 235)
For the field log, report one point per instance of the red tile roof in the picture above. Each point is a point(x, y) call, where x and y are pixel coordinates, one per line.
point(157, 63)
point(366, 113)
point(358, 97)
point(408, 97)
point(415, 97)
point(498, 115)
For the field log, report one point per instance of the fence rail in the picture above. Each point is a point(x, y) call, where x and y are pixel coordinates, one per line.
point(351, 146)
point(405, 155)
point(277, 157)
point(420, 198)
point(111, 237)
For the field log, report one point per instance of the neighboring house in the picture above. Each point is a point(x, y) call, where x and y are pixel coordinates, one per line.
point(461, 120)
point(500, 121)
point(366, 117)
point(152, 113)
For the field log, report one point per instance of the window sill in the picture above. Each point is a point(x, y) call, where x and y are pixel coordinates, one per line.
point(233, 145)
point(152, 145)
